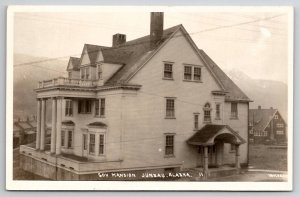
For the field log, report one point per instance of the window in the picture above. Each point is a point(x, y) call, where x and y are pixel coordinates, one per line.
point(70, 139)
point(188, 72)
point(97, 107)
point(168, 71)
point(280, 132)
point(192, 73)
point(169, 149)
point(62, 138)
point(276, 117)
point(102, 107)
point(234, 110)
point(84, 106)
point(84, 141)
point(69, 108)
point(170, 108)
point(92, 144)
point(279, 125)
point(196, 121)
point(265, 133)
point(101, 144)
point(87, 72)
point(99, 69)
point(207, 109)
point(70, 74)
point(82, 73)
point(218, 111)
point(197, 73)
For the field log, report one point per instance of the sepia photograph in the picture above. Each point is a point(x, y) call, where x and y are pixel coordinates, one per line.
point(171, 98)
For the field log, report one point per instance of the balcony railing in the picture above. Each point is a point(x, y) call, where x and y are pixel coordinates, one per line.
point(67, 82)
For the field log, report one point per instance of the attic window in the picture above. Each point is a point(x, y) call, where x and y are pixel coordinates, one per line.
point(192, 73)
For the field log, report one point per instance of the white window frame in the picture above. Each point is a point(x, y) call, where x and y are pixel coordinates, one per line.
point(89, 144)
point(167, 115)
point(218, 117)
point(99, 68)
point(196, 121)
point(192, 66)
point(69, 107)
point(207, 109)
point(171, 72)
point(104, 144)
point(165, 147)
point(234, 115)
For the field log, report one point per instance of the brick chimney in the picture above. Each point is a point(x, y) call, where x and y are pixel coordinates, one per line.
point(156, 28)
point(259, 107)
point(118, 39)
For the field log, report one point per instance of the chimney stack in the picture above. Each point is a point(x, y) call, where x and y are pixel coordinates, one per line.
point(118, 39)
point(259, 107)
point(156, 28)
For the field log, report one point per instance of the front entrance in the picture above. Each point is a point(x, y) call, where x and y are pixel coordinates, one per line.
point(215, 155)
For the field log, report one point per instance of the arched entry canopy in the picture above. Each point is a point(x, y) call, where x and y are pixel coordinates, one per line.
point(210, 134)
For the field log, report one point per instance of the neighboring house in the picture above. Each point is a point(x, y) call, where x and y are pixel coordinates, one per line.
point(24, 132)
point(153, 103)
point(266, 126)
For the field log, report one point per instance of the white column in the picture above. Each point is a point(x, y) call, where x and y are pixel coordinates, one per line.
point(38, 126)
point(237, 155)
point(205, 158)
point(43, 124)
point(58, 126)
point(53, 130)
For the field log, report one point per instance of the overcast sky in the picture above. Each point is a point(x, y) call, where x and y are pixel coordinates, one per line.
point(255, 43)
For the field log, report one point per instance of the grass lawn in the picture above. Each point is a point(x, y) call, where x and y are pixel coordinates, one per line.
point(268, 157)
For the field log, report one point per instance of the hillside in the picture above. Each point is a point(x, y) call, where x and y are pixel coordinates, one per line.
point(266, 93)
point(26, 78)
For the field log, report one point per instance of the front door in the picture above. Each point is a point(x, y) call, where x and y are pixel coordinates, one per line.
point(212, 156)
point(84, 145)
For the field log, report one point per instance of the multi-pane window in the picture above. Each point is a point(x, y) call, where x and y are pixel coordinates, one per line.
point(170, 108)
point(234, 110)
point(192, 73)
point(92, 143)
point(84, 106)
point(169, 149)
point(196, 121)
point(188, 72)
point(70, 139)
point(99, 70)
point(207, 110)
point(84, 141)
point(102, 107)
point(197, 73)
point(280, 132)
point(218, 111)
point(168, 71)
point(69, 108)
point(279, 125)
point(97, 107)
point(62, 138)
point(101, 144)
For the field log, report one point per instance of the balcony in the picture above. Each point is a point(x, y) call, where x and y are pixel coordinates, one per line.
point(62, 81)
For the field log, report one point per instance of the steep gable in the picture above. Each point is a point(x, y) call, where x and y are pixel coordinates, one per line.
point(260, 118)
point(73, 64)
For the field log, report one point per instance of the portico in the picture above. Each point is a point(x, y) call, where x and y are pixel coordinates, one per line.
point(55, 147)
point(210, 140)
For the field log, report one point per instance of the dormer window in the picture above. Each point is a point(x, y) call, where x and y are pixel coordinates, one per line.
point(85, 72)
point(99, 71)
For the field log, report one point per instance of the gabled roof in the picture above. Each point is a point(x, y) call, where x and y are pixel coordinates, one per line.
point(261, 118)
point(92, 51)
point(133, 54)
point(74, 61)
point(234, 93)
point(207, 134)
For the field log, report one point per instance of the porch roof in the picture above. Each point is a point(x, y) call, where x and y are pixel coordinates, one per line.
point(211, 132)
